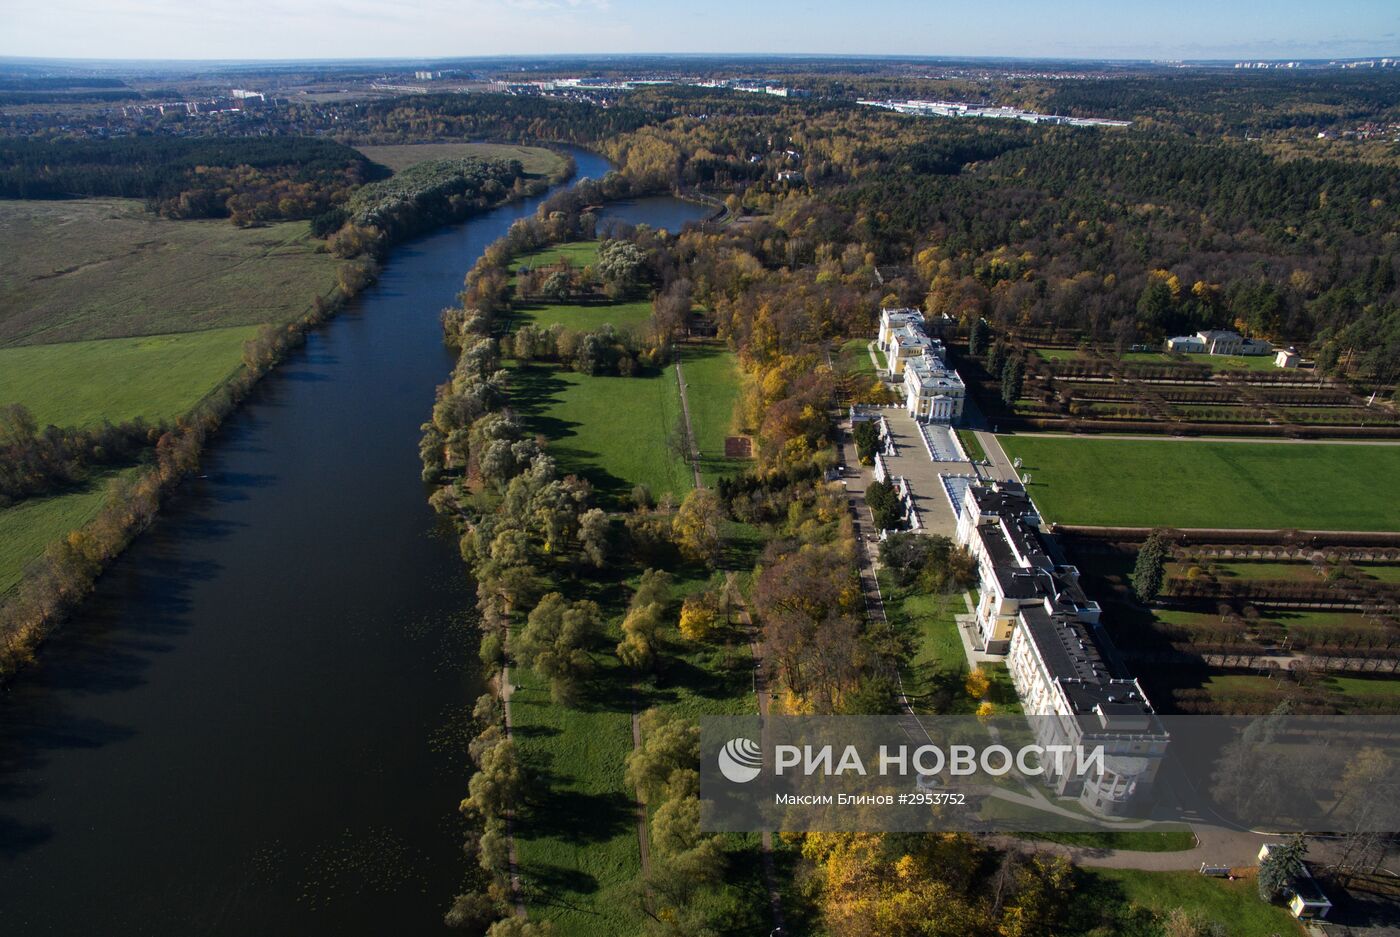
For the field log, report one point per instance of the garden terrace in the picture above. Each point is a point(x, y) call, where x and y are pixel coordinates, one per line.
point(1090, 389)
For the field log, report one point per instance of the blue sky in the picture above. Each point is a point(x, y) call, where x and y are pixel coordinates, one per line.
point(444, 28)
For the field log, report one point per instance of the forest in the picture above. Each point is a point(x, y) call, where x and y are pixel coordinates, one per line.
point(246, 179)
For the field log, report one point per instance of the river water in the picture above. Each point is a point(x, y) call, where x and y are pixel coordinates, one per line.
point(256, 724)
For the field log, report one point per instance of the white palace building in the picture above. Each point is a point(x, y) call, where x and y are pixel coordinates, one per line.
point(1064, 666)
point(932, 390)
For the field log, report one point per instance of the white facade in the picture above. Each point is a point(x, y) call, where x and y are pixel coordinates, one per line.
point(1034, 611)
point(1286, 358)
point(1186, 345)
point(932, 390)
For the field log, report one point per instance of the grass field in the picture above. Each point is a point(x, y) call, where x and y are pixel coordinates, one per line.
point(611, 430)
point(579, 254)
point(537, 160)
point(1214, 362)
point(583, 318)
point(712, 391)
point(1126, 483)
point(159, 377)
point(107, 268)
point(1129, 903)
point(1255, 571)
point(29, 526)
point(578, 843)
point(854, 358)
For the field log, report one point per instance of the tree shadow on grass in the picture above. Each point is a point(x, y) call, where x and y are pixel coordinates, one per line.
point(535, 389)
point(578, 818)
point(545, 882)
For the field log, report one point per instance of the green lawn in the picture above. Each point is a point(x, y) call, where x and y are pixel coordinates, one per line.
point(159, 377)
point(611, 430)
point(972, 445)
point(854, 358)
point(1129, 903)
point(1364, 687)
point(1257, 571)
point(577, 842)
point(933, 677)
point(1380, 573)
point(579, 254)
point(1129, 482)
point(712, 390)
point(582, 318)
point(107, 268)
point(1059, 354)
point(536, 160)
point(29, 526)
point(1287, 617)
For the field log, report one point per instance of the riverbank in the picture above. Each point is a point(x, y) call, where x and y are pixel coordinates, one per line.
point(56, 581)
point(259, 719)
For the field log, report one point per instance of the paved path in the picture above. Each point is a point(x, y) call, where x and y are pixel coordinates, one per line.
point(764, 697)
point(1214, 846)
point(685, 414)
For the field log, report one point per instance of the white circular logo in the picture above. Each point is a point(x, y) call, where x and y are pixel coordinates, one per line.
point(740, 760)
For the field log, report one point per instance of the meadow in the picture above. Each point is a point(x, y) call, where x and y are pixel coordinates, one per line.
point(583, 317)
point(579, 254)
point(611, 430)
point(712, 391)
point(1171, 483)
point(28, 527)
point(107, 268)
point(537, 160)
point(158, 377)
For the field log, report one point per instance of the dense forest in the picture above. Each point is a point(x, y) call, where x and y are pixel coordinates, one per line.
point(248, 179)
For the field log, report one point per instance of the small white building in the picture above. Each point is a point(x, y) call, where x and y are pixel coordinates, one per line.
point(1186, 345)
point(1287, 358)
point(1221, 341)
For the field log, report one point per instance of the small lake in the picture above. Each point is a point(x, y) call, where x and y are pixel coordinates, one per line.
point(258, 723)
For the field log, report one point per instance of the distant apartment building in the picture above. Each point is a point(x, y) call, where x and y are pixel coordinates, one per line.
point(1218, 342)
point(932, 390)
point(1064, 667)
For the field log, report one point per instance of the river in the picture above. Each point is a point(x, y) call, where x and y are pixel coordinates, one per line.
point(256, 725)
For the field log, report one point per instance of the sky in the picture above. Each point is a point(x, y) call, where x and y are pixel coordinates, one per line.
point(290, 29)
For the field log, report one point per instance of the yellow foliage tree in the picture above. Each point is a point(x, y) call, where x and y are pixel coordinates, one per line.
point(977, 683)
point(698, 617)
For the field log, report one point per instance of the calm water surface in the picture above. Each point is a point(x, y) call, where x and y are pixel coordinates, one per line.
point(256, 725)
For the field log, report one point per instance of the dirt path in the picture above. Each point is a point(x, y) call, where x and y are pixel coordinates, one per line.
point(507, 690)
point(643, 839)
point(685, 414)
point(764, 697)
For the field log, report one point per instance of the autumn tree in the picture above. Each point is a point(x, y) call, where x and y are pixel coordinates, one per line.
point(699, 616)
point(697, 526)
point(554, 643)
point(594, 533)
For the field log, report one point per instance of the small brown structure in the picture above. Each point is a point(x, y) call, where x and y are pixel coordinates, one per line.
point(738, 447)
